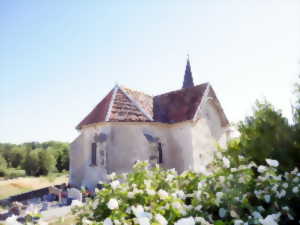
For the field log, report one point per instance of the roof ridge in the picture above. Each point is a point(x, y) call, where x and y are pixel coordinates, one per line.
point(206, 83)
point(108, 113)
point(203, 99)
point(123, 87)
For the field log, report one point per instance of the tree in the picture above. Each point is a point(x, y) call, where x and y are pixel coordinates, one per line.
point(296, 107)
point(267, 134)
point(3, 166)
point(47, 162)
point(16, 156)
point(32, 163)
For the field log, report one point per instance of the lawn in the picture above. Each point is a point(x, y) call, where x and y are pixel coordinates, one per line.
point(23, 184)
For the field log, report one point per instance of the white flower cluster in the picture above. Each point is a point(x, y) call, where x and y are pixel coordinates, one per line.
point(156, 196)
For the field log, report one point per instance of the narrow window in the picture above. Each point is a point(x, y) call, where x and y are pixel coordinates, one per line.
point(160, 153)
point(94, 154)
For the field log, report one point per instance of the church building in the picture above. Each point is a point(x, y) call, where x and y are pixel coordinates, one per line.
point(180, 129)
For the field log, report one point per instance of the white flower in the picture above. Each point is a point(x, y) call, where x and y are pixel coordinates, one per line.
point(111, 176)
point(256, 215)
point(117, 222)
point(285, 185)
point(295, 190)
point(269, 220)
point(238, 222)
point(261, 169)
point(12, 220)
point(219, 195)
point(115, 184)
point(137, 210)
point(257, 193)
point(107, 221)
point(198, 208)
point(272, 162)
point(95, 204)
point(278, 178)
point(180, 194)
point(281, 194)
point(274, 188)
point(185, 221)
point(44, 223)
point(233, 170)
point(147, 183)
point(260, 208)
point(286, 208)
point(202, 221)
point(222, 212)
point(198, 195)
point(113, 204)
point(226, 162)
point(162, 194)
point(267, 198)
point(150, 192)
point(143, 220)
point(234, 214)
point(159, 218)
point(170, 177)
point(200, 184)
point(76, 203)
point(222, 179)
point(176, 205)
point(85, 221)
point(130, 194)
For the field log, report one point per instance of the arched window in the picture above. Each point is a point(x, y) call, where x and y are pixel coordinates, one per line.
point(94, 154)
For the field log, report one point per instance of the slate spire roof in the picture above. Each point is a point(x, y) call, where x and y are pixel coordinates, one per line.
point(188, 77)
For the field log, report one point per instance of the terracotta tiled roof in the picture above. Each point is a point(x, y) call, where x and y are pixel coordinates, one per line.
point(144, 100)
point(178, 106)
point(124, 109)
point(126, 105)
point(121, 105)
point(98, 113)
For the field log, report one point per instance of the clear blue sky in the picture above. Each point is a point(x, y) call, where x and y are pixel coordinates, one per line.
point(59, 58)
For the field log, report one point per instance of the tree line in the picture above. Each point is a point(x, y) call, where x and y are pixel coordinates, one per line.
point(33, 159)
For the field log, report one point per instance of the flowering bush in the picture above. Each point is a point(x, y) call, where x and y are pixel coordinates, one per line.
point(245, 195)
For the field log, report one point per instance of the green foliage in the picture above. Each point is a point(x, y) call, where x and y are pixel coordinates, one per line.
point(14, 173)
point(296, 107)
point(3, 165)
point(47, 162)
point(247, 194)
point(31, 163)
point(33, 157)
point(266, 134)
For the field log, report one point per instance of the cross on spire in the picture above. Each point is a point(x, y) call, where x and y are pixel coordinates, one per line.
point(188, 77)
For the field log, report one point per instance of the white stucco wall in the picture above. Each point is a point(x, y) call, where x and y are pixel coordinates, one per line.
point(208, 134)
point(77, 166)
point(125, 145)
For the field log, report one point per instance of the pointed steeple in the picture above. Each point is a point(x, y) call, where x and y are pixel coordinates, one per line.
point(188, 77)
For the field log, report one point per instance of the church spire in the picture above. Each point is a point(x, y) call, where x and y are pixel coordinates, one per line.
point(188, 77)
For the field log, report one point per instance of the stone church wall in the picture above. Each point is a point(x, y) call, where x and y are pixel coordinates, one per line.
point(124, 144)
point(208, 135)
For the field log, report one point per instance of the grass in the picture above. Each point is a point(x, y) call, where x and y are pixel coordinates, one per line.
point(23, 184)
